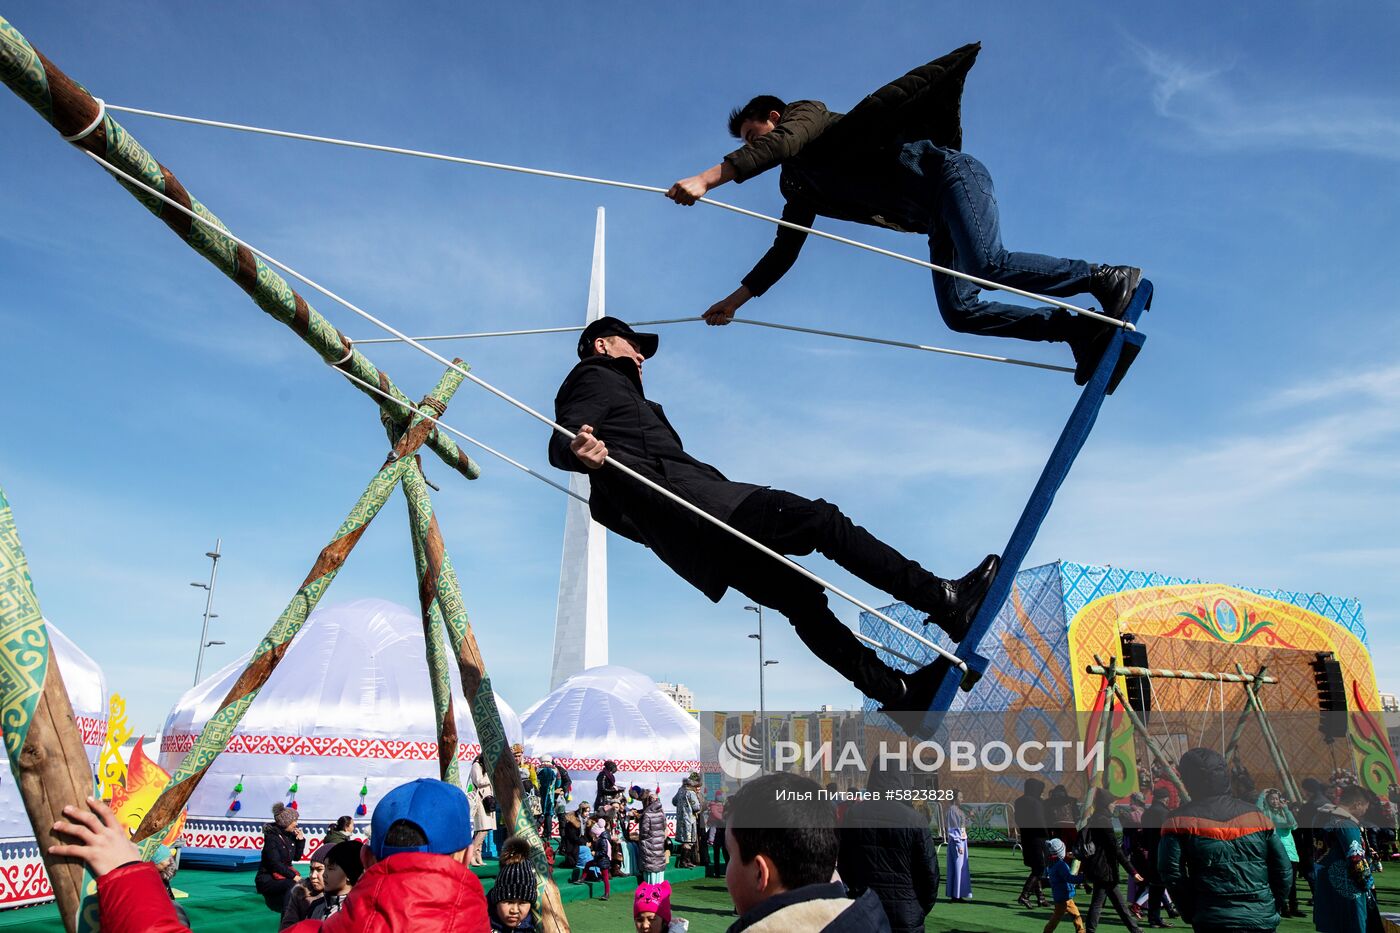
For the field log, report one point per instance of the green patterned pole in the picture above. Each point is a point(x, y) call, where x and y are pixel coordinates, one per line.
point(71, 110)
point(445, 716)
point(42, 741)
point(476, 685)
point(214, 737)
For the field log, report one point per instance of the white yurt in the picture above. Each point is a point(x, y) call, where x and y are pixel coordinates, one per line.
point(349, 707)
point(615, 713)
point(22, 877)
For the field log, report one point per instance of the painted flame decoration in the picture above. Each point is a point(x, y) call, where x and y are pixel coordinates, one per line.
point(144, 782)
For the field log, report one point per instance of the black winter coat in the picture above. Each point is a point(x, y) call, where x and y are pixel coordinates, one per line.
point(1102, 867)
point(843, 166)
point(811, 909)
point(607, 780)
point(570, 839)
point(280, 849)
point(606, 392)
point(885, 847)
point(1030, 822)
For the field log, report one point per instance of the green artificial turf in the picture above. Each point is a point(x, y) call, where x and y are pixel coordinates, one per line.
point(224, 902)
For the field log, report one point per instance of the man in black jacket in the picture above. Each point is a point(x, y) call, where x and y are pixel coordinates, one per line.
point(1029, 809)
point(886, 847)
point(894, 161)
point(602, 400)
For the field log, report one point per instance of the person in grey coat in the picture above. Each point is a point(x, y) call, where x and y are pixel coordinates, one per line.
point(651, 836)
point(687, 805)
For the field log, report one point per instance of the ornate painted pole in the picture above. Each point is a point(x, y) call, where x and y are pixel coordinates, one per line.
point(42, 740)
point(445, 716)
point(476, 685)
point(213, 738)
point(71, 110)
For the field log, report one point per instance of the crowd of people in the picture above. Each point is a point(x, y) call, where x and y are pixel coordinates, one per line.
point(1230, 858)
point(1222, 856)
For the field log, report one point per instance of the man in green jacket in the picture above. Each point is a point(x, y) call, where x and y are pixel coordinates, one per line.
point(894, 161)
point(1221, 858)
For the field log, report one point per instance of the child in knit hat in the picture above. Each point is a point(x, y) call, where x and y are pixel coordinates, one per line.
point(344, 867)
point(513, 896)
point(651, 910)
point(1062, 882)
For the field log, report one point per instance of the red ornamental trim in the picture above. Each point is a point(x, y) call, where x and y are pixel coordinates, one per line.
point(24, 882)
point(94, 730)
point(400, 750)
point(633, 765)
point(324, 746)
point(205, 840)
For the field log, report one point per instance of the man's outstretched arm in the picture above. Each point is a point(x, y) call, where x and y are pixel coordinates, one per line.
point(802, 122)
point(787, 244)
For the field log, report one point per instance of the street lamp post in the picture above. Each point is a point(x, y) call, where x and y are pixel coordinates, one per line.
point(204, 641)
point(762, 707)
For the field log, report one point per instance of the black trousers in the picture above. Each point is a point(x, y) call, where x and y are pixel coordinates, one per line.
point(792, 525)
point(1109, 892)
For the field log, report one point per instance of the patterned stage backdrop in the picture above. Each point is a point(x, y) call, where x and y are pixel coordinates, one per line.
point(1061, 614)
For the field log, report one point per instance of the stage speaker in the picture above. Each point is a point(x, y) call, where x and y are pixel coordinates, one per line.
point(1138, 690)
point(1331, 695)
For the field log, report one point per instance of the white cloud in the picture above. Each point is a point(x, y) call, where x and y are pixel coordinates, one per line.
point(1219, 108)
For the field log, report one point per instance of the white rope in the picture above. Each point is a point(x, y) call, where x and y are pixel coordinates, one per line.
point(524, 333)
point(506, 397)
point(462, 160)
point(792, 327)
point(875, 644)
point(91, 127)
point(438, 422)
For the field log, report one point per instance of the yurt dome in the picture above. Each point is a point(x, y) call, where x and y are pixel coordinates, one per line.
point(614, 712)
point(350, 706)
point(22, 878)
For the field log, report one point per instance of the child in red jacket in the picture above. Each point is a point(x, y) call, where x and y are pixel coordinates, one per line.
point(416, 874)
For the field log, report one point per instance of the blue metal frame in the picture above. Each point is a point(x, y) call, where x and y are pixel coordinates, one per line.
point(1122, 349)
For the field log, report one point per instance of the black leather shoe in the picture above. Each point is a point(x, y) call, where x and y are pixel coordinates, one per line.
point(1113, 287)
point(920, 686)
point(892, 693)
point(965, 596)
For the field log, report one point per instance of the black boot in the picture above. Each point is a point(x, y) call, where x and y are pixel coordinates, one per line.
point(1113, 287)
point(953, 604)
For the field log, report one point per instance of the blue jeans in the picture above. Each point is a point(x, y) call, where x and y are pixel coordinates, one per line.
point(966, 236)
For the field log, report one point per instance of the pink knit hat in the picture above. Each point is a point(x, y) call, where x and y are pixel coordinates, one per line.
point(653, 898)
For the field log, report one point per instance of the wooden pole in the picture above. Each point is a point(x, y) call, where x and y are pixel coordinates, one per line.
point(214, 737)
point(1232, 747)
point(1169, 674)
point(70, 109)
point(444, 714)
point(476, 685)
point(42, 741)
point(1290, 787)
point(1152, 745)
point(1105, 743)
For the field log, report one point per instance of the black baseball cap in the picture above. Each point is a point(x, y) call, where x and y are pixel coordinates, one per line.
point(615, 327)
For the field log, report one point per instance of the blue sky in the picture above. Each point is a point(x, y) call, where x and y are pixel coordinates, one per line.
point(1246, 158)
